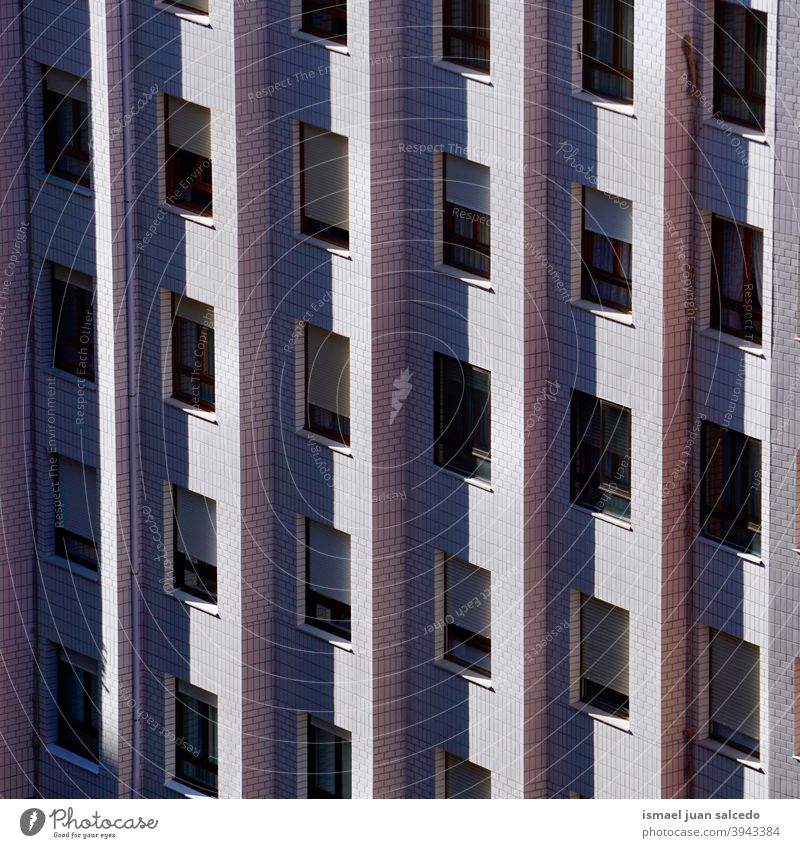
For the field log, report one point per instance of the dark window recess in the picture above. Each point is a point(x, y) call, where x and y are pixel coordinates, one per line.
point(193, 379)
point(196, 762)
point(466, 215)
point(327, 379)
point(740, 62)
point(75, 501)
point(324, 185)
point(462, 406)
point(604, 654)
point(195, 545)
point(734, 693)
point(326, 18)
point(607, 49)
point(468, 616)
point(66, 127)
point(606, 269)
point(329, 763)
point(327, 578)
point(465, 33)
point(731, 488)
point(73, 325)
point(78, 699)
point(601, 444)
point(736, 279)
point(188, 156)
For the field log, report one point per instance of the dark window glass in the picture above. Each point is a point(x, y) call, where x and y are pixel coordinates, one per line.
point(466, 33)
point(78, 709)
point(326, 18)
point(66, 135)
point(329, 764)
point(327, 578)
point(467, 231)
point(194, 528)
point(606, 269)
point(188, 156)
point(75, 522)
point(608, 48)
point(196, 762)
point(193, 363)
point(468, 616)
point(73, 329)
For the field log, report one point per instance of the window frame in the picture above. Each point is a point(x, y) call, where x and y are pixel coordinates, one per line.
point(182, 756)
point(59, 289)
point(590, 62)
point(310, 226)
point(335, 11)
point(54, 150)
point(339, 436)
point(452, 240)
point(313, 599)
point(65, 539)
point(590, 273)
point(79, 737)
point(456, 635)
point(175, 173)
point(179, 369)
point(313, 790)
point(467, 35)
point(206, 573)
point(591, 693)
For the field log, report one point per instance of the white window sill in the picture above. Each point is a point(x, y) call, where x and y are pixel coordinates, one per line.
point(465, 277)
point(74, 759)
point(191, 410)
point(330, 247)
point(604, 103)
point(73, 568)
point(324, 441)
point(74, 188)
point(595, 308)
point(734, 341)
point(183, 14)
point(70, 378)
point(470, 481)
point(729, 549)
point(179, 212)
point(623, 724)
point(186, 791)
point(457, 670)
point(731, 753)
point(602, 516)
point(724, 125)
point(193, 602)
point(463, 71)
point(310, 38)
point(331, 638)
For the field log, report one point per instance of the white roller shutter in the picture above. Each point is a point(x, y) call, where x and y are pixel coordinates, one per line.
point(66, 84)
point(607, 215)
point(197, 526)
point(328, 369)
point(467, 597)
point(464, 779)
point(734, 684)
point(78, 484)
point(329, 562)
point(467, 184)
point(189, 126)
point(604, 645)
point(325, 177)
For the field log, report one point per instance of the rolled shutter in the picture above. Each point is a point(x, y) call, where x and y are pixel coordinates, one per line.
point(74, 278)
point(193, 310)
point(189, 126)
point(66, 84)
point(734, 684)
point(200, 6)
point(464, 779)
point(328, 369)
point(468, 184)
point(468, 589)
point(197, 526)
point(325, 177)
point(329, 562)
point(78, 485)
point(604, 645)
point(607, 215)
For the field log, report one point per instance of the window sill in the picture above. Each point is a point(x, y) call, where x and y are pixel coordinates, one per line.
point(456, 670)
point(604, 103)
point(731, 753)
point(179, 212)
point(183, 14)
point(73, 568)
point(625, 318)
point(734, 341)
point(729, 549)
point(70, 378)
point(724, 125)
point(310, 38)
point(193, 602)
point(332, 639)
point(60, 182)
point(211, 417)
point(324, 441)
point(597, 714)
point(74, 759)
point(464, 276)
point(186, 791)
point(470, 481)
point(463, 71)
point(602, 516)
point(330, 247)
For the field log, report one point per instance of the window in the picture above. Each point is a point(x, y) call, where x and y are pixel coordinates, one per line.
point(193, 353)
point(78, 701)
point(195, 535)
point(601, 446)
point(200, 7)
point(604, 656)
point(463, 779)
point(327, 378)
point(466, 33)
point(736, 279)
point(188, 155)
point(733, 692)
point(329, 762)
point(731, 488)
point(462, 426)
point(607, 48)
point(324, 198)
point(75, 501)
point(326, 18)
point(327, 578)
point(72, 323)
point(467, 215)
point(607, 239)
point(66, 127)
point(468, 616)
point(196, 758)
point(740, 64)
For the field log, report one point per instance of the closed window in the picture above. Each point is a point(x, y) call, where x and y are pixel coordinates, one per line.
point(468, 616)
point(188, 155)
point(326, 18)
point(78, 697)
point(329, 762)
point(607, 48)
point(73, 322)
point(607, 239)
point(733, 688)
point(462, 425)
point(604, 656)
point(327, 378)
point(740, 64)
point(195, 535)
point(193, 376)
point(467, 216)
point(601, 466)
point(731, 488)
point(736, 279)
point(75, 500)
point(196, 756)
point(324, 185)
point(327, 578)
point(466, 33)
point(66, 126)
point(463, 779)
